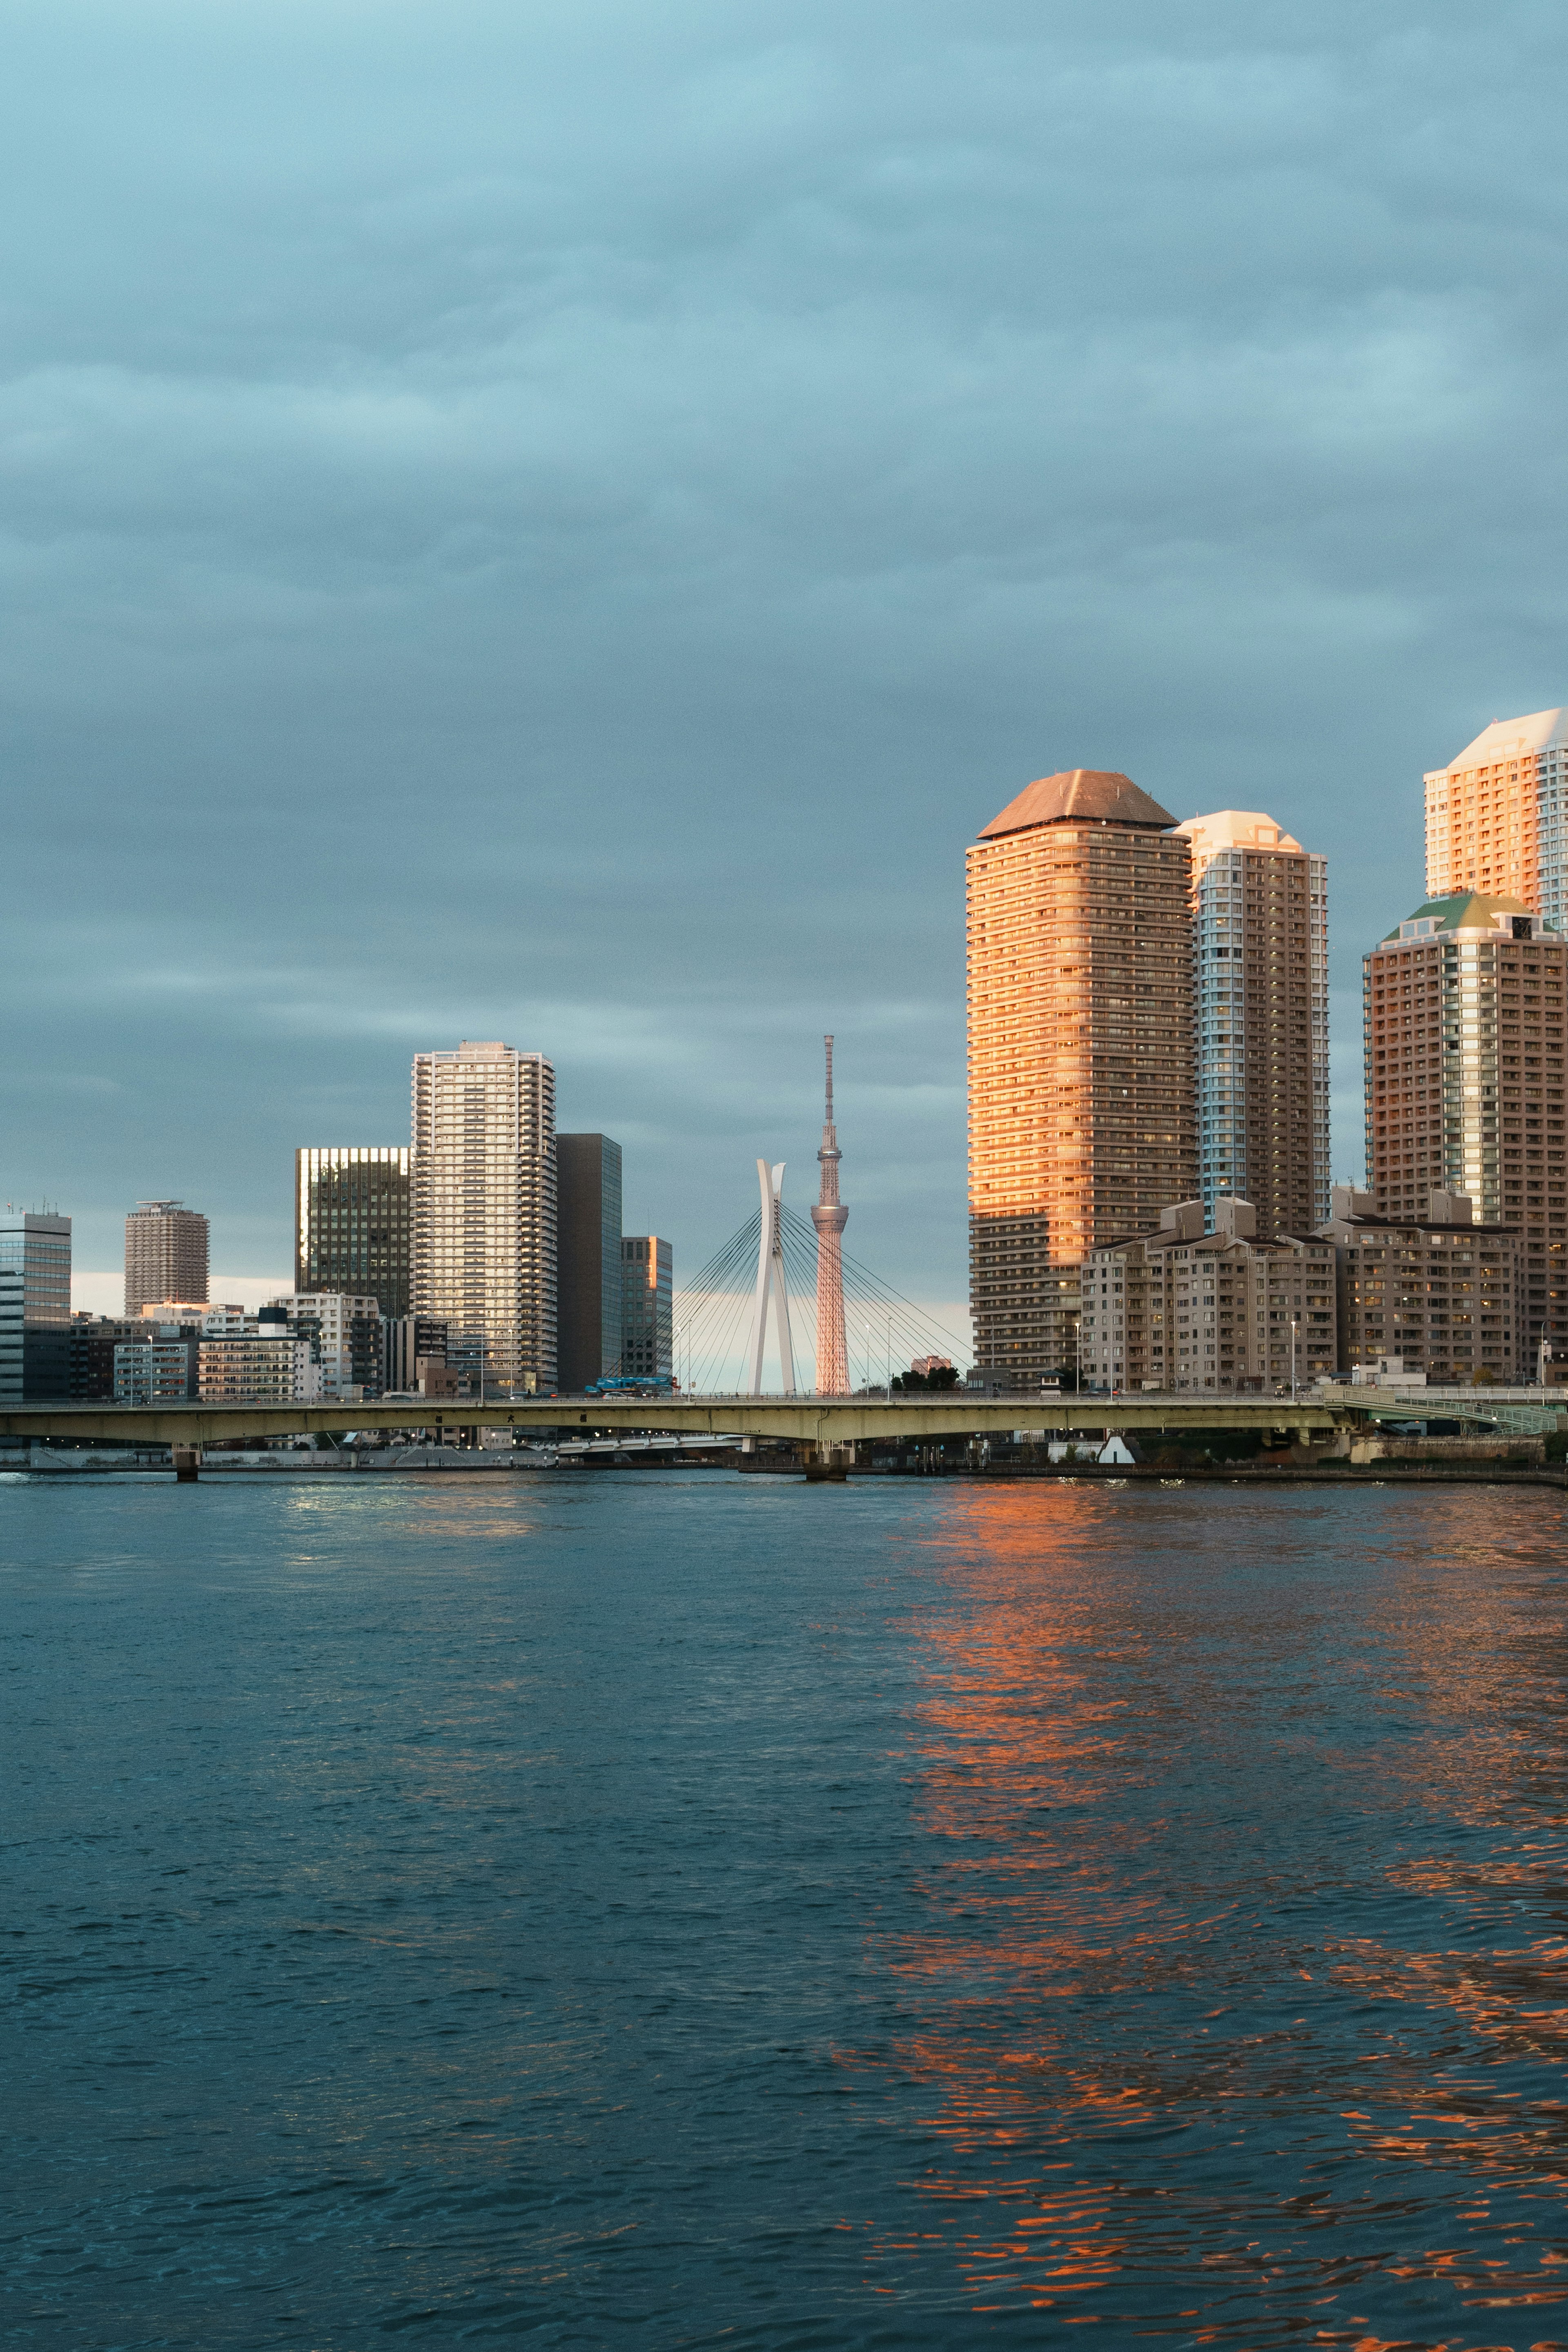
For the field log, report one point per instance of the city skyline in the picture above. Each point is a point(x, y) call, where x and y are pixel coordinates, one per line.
point(1344, 1167)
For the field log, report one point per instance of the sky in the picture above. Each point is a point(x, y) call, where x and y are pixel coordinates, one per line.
point(560, 524)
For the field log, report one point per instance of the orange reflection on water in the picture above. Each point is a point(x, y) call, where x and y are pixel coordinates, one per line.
point(1074, 1722)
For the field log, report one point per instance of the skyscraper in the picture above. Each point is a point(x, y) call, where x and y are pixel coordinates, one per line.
point(352, 1222)
point(35, 1305)
point(1081, 1123)
point(483, 1238)
point(830, 1216)
point(1261, 917)
point(1466, 1034)
point(165, 1255)
point(1496, 816)
point(588, 1223)
point(647, 1307)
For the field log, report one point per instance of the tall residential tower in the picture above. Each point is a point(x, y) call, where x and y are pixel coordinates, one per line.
point(1260, 918)
point(830, 1216)
point(1081, 1124)
point(1466, 1036)
point(165, 1255)
point(484, 1249)
point(1496, 816)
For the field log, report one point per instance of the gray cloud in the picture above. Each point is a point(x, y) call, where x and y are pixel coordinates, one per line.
point(561, 524)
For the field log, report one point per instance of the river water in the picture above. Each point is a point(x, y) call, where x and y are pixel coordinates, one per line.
point(665, 1910)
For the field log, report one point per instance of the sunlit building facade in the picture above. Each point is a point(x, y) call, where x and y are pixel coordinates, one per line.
point(1082, 1104)
point(484, 1244)
point(1259, 905)
point(1466, 1036)
point(352, 1227)
point(647, 1307)
point(1496, 816)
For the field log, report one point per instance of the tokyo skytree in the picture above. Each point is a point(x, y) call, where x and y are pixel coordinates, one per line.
point(829, 1217)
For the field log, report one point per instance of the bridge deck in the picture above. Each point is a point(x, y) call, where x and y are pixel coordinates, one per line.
point(813, 1420)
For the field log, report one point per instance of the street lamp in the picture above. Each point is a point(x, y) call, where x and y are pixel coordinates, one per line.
point(1293, 1323)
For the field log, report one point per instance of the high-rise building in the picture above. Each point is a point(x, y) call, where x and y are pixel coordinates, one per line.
point(1259, 905)
point(351, 1222)
point(587, 1225)
point(484, 1247)
point(1497, 816)
point(166, 1254)
point(647, 1307)
point(1081, 1121)
point(34, 1306)
point(1466, 1035)
point(830, 1216)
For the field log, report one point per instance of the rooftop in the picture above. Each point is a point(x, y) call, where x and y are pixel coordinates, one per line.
point(1082, 796)
point(1510, 738)
point(1475, 911)
point(1235, 829)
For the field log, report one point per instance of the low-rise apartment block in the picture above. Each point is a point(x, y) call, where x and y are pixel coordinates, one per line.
point(344, 1335)
point(1443, 1293)
point(1180, 1308)
point(257, 1370)
point(407, 1342)
point(158, 1371)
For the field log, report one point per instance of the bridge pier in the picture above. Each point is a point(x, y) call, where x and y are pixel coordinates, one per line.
point(187, 1462)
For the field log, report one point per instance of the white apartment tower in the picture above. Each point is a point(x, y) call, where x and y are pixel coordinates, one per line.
point(483, 1210)
point(1260, 904)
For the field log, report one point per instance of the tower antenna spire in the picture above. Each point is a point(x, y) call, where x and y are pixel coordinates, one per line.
point(830, 1216)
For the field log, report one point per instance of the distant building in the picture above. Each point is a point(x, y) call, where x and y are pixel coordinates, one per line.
point(344, 1335)
point(156, 1371)
point(926, 1365)
point(92, 1343)
point(588, 1223)
point(1497, 816)
point(1260, 904)
point(1081, 1124)
point(34, 1306)
point(1465, 1039)
point(1179, 1309)
point(1448, 1295)
point(258, 1370)
point(647, 1307)
point(484, 1249)
point(407, 1342)
point(166, 1254)
point(352, 1222)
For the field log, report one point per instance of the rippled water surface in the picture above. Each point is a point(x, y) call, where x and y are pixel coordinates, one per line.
point(661, 1910)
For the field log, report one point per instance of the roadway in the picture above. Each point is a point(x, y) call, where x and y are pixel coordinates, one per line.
point(819, 1421)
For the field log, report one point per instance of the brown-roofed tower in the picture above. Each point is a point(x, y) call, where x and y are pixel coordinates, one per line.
point(1081, 1108)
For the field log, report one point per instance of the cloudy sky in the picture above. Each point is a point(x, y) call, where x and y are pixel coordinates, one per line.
point(560, 522)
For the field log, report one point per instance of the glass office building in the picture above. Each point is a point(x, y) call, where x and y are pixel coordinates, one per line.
point(647, 1307)
point(34, 1306)
point(352, 1223)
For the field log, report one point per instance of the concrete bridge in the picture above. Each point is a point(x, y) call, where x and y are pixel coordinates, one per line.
point(821, 1422)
